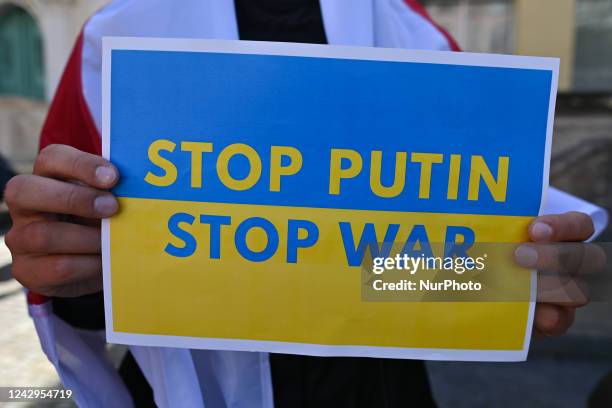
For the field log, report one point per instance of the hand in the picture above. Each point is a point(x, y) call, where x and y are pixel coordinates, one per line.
point(560, 264)
point(56, 212)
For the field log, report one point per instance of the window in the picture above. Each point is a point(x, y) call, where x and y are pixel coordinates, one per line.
point(21, 66)
point(593, 63)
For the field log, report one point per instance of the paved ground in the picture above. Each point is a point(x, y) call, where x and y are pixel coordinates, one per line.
point(560, 372)
point(544, 381)
point(22, 363)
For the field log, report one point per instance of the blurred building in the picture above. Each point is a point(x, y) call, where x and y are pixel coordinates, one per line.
point(577, 31)
point(36, 37)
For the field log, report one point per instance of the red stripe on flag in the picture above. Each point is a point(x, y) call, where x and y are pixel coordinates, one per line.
point(69, 121)
point(35, 298)
point(420, 10)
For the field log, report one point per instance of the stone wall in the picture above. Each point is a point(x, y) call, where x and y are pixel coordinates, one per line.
point(582, 158)
point(20, 123)
point(59, 23)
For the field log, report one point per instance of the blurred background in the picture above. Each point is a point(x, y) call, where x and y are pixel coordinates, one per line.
point(36, 37)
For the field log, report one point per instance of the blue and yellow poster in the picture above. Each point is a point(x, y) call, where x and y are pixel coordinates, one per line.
point(259, 181)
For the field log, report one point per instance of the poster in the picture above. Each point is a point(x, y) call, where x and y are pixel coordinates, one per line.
point(270, 192)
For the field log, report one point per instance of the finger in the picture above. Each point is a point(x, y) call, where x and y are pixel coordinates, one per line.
point(48, 237)
point(59, 275)
point(571, 226)
point(28, 193)
point(66, 162)
point(562, 259)
point(552, 320)
point(85, 287)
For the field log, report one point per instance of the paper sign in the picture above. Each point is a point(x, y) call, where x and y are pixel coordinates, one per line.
point(260, 180)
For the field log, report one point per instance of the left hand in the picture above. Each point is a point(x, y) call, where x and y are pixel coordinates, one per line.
point(555, 314)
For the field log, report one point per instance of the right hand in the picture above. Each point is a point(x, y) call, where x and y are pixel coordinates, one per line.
point(55, 238)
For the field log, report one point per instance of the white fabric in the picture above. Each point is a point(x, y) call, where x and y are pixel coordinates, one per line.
point(398, 26)
point(559, 202)
point(233, 379)
point(199, 378)
point(81, 361)
point(171, 374)
point(348, 22)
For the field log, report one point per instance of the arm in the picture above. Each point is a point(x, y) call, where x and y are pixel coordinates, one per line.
point(55, 238)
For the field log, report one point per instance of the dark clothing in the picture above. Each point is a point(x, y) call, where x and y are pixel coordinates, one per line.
point(280, 20)
point(6, 173)
point(85, 312)
point(303, 381)
point(298, 381)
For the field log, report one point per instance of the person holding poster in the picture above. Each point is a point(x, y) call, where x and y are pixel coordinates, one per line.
point(56, 245)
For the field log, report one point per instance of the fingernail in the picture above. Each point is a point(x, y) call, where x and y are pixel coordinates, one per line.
point(526, 256)
point(105, 205)
point(105, 175)
point(541, 231)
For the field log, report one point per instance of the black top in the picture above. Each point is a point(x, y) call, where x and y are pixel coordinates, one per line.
point(280, 20)
point(298, 381)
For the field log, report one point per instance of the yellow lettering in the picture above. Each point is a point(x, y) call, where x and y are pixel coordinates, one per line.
point(453, 177)
point(399, 180)
point(337, 173)
point(254, 166)
point(427, 160)
point(277, 170)
point(497, 188)
point(166, 165)
point(196, 149)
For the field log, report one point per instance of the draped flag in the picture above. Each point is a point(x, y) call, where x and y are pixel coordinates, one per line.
point(259, 179)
